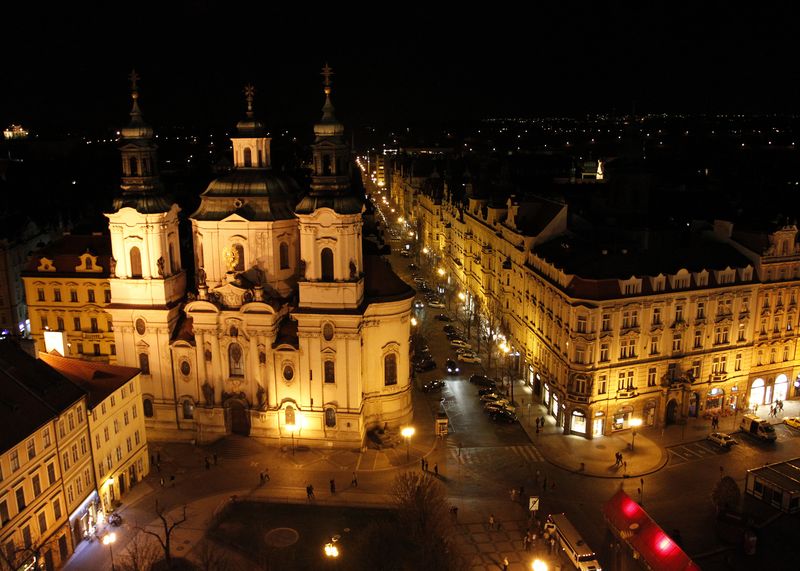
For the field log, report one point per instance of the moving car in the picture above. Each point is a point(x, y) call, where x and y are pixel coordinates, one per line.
point(792, 422)
point(433, 385)
point(419, 304)
point(459, 343)
point(436, 304)
point(452, 367)
point(503, 415)
point(721, 439)
point(442, 317)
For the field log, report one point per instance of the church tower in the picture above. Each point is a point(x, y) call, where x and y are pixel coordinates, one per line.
point(147, 280)
point(332, 265)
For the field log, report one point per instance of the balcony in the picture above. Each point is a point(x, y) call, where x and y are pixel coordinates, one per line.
point(627, 394)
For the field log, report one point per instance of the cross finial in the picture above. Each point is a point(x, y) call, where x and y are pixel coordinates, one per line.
point(327, 72)
point(249, 92)
point(134, 77)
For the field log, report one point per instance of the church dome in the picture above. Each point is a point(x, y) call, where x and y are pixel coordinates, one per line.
point(253, 194)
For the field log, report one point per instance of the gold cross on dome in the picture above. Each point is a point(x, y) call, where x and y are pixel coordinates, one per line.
point(134, 77)
point(327, 72)
point(249, 92)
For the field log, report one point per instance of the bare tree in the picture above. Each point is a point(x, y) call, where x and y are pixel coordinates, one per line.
point(140, 554)
point(210, 557)
point(165, 537)
point(726, 495)
point(13, 556)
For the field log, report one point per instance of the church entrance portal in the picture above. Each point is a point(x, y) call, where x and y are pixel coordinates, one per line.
point(672, 409)
point(239, 419)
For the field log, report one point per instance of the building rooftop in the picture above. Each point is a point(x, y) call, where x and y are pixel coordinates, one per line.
point(31, 394)
point(65, 255)
point(99, 380)
point(784, 474)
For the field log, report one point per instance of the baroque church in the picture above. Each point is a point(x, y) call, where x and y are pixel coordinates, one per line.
point(296, 328)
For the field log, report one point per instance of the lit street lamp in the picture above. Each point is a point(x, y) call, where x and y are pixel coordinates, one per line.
point(109, 540)
point(538, 565)
point(634, 423)
point(407, 433)
point(413, 322)
point(331, 550)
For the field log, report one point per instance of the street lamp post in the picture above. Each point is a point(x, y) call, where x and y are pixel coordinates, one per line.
point(407, 433)
point(634, 423)
point(109, 540)
point(538, 565)
point(291, 428)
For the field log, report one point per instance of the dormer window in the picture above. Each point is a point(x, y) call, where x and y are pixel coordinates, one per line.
point(631, 286)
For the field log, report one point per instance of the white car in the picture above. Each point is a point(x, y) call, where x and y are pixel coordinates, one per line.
point(419, 304)
point(460, 343)
point(437, 304)
point(721, 439)
point(469, 358)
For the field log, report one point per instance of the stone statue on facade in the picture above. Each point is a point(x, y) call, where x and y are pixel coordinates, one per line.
point(112, 266)
point(160, 264)
point(201, 277)
point(301, 268)
point(208, 394)
point(261, 394)
point(353, 270)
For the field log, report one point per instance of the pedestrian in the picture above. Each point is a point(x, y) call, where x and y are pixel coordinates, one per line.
point(436, 469)
point(525, 541)
point(208, 464)
point(780, 403)
point(544, 484)
point(333, 486)
point(513, 494)
point(215, 458)
point(454, 511)
point(552, 545)
point(537, 423)
point(261, 477)
point(162, 481)
point(491, 521)
point(172, 481)
point(354, 481)
point(624, 465)
point(505, 563)
point(422, 464)
point(158, 457)
point(616, 458)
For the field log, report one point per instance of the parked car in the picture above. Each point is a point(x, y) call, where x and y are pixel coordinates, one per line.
point(420, 356)
point(486, 390)
point(482, 381)
point(462, 350)
point(433, 385)
point(405, 254)
point(452, 367)
point(503, 415)
point(721, 439)
point(442, 317)
point(426, 365)
point(490, 397)
point(436, 304)
point(459, 343)
point(419, 304)
point(498, 405)
point(469, 358)
point(449, 328)
point(419, 279)
point(792, 421)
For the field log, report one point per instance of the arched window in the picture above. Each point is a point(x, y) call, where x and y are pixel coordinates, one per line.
point(136, 263)
point(326, 164)
point(235, 361)
point(390, 369)
point(88, 263)
point(173, 263)
point(144, 363)
point(239, 249)
point(289, 415)
point(133, 166)
point(188, 409)
point(330, 372)
point(248, 157)
point(284, 255)
point(326, 257)
point(330, 417)
point(147, 405)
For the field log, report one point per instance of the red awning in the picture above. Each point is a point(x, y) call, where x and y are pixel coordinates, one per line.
point(644, 535)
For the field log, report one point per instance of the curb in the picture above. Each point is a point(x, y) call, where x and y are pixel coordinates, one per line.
point(663, 462)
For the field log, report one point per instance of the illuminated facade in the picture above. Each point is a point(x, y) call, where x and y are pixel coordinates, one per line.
point(67, 290)
point(607, 335)
point(297, 330)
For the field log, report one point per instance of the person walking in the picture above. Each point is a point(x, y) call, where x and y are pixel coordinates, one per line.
point(354, 481)
point(422, 464)
point(525, 541)
point(436, 469)
point(491, 521)
point(505, 564)
point(208, 464)
point(266, 474)
point(552, 545)
point(333, 486)
point(310, 492)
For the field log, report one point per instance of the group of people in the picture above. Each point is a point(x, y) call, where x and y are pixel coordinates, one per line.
point(714, 422)
point(424, 465)
point(539, 423)
point(619, 460)
point(776, 408)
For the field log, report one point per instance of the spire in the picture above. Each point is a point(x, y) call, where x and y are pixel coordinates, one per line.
point(327, 109)
point(136, 113)
point(249, 91)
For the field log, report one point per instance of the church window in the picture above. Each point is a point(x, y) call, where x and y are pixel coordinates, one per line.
point(326, 257)
point(239, 249)
point(147, 405)
point(140, 326)
point(95, 328)
point(330, 417)
point(133, 166)
point(56, 294)
point(136, 263)
point(144, 363)
point(40, 294)
point(390, 369)
point(288, 373)
point(326, 164)
point(327, 332)
point(248, 157)
point(284, 255)
point(235, 362)
point(188, 409)
point(89, 265)
point(76, 322)
point(186, 368)
point(289, 415)
point(330, 372)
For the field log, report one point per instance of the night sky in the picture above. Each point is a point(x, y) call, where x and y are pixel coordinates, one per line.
point(67, 69)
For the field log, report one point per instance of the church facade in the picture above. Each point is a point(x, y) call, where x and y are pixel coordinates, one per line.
point(297, 328)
